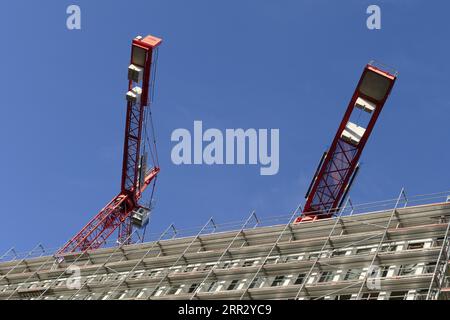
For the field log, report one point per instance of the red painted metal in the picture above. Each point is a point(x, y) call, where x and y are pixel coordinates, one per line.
point(336, 169)
point(116, 215)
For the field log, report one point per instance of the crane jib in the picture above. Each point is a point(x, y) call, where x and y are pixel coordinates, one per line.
point(116, 215)
point(337, 170)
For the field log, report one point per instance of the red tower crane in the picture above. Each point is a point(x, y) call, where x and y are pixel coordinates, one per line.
point(124, 211)
point(339, 165)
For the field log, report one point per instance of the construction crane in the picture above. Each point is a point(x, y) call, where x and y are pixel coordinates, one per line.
point(339, 166)
point(124, 211)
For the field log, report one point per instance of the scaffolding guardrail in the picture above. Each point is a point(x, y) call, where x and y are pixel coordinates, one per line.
point(347, 209)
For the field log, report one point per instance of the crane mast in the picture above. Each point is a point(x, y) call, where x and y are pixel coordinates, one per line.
point(339, 165)
point(124, 211)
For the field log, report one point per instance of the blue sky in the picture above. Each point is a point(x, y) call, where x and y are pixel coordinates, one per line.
point(291, 65)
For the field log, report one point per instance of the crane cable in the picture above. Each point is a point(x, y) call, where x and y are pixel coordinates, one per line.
point(148, 114)
point(152, 147)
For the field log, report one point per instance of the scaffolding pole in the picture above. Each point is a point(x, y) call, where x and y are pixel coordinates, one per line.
point(439, 273)
point(7, 252)
point(316, 261)
point(275, 245)
point(210, 221)
point(226, 251)
point(35, 273)
point(171, 227)
point(382, 237)
point(86, 253)
point(347, 246)
point(5, 276)
point(380, 244)
point(103, 265)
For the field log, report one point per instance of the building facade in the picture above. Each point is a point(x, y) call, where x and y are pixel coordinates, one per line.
point(400, 253)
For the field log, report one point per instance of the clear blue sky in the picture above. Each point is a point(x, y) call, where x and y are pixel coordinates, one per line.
point(291, 65)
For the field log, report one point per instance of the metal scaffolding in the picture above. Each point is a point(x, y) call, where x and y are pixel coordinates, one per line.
point(227, 251)
point(123, 271)
point(275, 246)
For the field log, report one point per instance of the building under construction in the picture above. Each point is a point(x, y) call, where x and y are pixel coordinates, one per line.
point(398, 252)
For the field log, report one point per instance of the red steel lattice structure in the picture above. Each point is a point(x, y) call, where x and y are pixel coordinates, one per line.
point(339, 165)
point(117, 213)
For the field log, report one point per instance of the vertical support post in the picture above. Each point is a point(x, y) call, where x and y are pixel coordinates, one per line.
point(175, 232)
point(81, 254)
point(42, 249)
point(252, 215)
point(210, 221)
point(348, 201)
point(375, 255)
point(302, 286)
point(443, 254)
point(7, 252)
point(286, 227)
point(50, 258)
point(29, 254)
point(143, 258)
point(119, 247)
